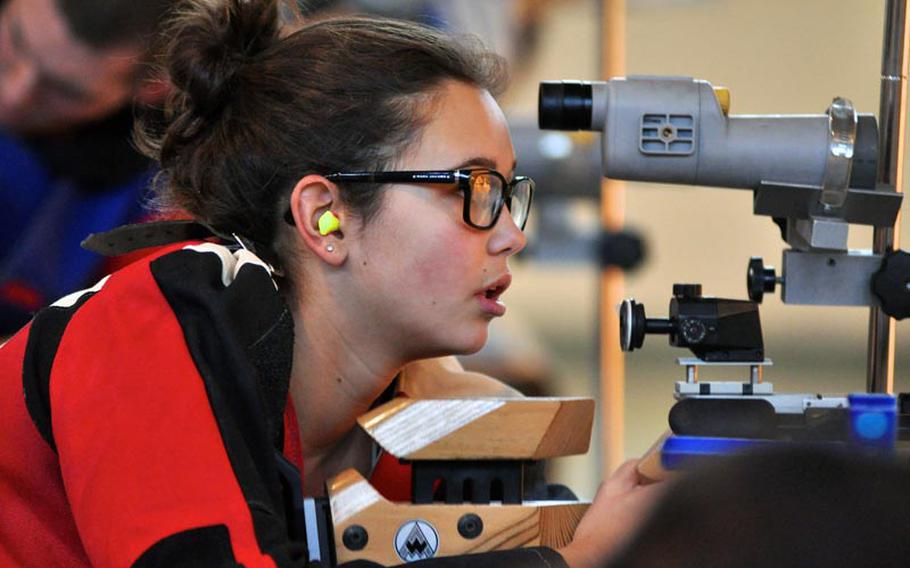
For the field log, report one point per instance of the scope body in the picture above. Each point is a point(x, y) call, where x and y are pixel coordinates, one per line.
point(674, 130)
point(714, 329)
point(717, 329)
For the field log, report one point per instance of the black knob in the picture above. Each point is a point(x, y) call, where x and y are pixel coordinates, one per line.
point(693, 331)
point(624, 249)
point(355, 537)
point(470, 526)
point(892, 284)
point(687, 290)
point(759, 279)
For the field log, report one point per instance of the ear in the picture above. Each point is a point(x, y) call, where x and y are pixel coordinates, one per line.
point(151, 92)
point(311, 198)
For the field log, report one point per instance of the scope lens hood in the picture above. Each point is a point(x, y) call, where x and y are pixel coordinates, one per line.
point(564, 105)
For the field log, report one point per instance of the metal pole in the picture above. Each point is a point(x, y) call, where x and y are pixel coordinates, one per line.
point(892, 109)
point(612, 361)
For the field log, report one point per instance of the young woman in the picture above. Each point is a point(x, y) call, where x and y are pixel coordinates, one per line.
point(362, 182)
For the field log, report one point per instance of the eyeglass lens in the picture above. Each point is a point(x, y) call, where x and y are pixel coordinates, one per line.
point(487, 199)
point(520, 203)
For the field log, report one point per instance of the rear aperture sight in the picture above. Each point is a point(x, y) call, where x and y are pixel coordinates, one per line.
point(714, 329)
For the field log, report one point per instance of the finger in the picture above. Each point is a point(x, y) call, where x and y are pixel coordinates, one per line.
point(623, 480)
point(626, 473)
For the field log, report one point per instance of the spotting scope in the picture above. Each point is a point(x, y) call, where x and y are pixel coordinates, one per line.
point(678, 130)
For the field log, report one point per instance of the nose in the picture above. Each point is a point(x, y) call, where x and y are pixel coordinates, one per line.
point(17, 85)
point(506, 237)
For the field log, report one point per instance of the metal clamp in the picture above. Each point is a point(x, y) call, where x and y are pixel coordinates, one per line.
point(692, 364)
point(842, 122)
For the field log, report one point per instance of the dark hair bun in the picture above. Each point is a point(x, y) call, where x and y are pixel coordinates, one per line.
point(209, 42)
point(331, 95)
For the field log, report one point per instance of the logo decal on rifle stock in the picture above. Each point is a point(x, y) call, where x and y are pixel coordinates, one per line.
point(416, 540)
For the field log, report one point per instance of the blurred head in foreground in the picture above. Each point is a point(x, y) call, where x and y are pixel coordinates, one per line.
point(792, 507)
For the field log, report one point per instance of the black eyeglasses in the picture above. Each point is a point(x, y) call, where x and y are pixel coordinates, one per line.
point(485, 191)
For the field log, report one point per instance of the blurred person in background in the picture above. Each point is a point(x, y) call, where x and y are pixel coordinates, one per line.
point(784, 508)
point(70, 72)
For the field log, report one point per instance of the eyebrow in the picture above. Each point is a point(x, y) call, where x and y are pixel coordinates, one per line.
point(483, 162)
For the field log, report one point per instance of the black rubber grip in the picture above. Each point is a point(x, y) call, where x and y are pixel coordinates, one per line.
point(752, 418)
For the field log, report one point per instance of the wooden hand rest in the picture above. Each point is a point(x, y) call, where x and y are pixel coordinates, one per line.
point(367, 526)
point(459, 450)
point(481, 428)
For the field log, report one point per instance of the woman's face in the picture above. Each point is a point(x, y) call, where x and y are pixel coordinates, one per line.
point(427, 273)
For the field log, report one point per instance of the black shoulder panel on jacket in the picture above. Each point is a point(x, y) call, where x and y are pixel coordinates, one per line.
point(227, 326)
point(43, 340)
point(204, 546)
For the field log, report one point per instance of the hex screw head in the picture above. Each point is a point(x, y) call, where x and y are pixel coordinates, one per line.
point(470, 526)
point(355, 537)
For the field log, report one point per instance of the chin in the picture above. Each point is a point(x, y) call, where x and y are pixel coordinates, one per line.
point(472, 343)
point(455, 343)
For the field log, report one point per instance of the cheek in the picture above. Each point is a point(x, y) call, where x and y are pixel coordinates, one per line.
point(67, 110)
point(437, 265)
point(103, 102)
point(426, 258)
point(444, 265)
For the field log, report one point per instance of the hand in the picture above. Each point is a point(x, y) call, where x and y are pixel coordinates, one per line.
point(619, 507)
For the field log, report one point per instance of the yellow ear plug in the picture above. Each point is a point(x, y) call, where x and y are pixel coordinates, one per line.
point(328, 223)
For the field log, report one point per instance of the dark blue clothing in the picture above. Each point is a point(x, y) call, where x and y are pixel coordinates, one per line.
point(53, 193)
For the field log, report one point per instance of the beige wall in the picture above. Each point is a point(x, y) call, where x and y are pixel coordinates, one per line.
point(776, 57)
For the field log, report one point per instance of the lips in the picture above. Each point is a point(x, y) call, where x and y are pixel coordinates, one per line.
point(488, 297)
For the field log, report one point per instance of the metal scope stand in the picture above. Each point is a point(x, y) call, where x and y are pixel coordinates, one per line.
point(691, 386)
point(880, 354)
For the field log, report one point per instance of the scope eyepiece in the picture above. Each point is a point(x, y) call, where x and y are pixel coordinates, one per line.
point(564, 105)
point(631, 325)
point(634, 324)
